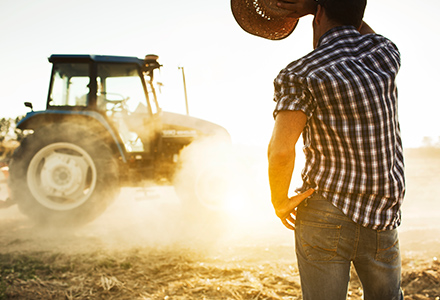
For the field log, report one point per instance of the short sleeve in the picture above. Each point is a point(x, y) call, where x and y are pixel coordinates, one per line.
point(291, 93)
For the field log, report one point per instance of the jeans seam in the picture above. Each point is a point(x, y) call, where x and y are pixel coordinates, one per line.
point(356, 242)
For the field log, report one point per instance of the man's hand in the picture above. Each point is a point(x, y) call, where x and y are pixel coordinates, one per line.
point(286, 209)
point(299, 8)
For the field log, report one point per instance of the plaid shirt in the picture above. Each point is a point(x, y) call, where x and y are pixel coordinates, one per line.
point(352, 143)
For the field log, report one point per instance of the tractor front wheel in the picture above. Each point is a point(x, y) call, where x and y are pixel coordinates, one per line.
point(63, 175)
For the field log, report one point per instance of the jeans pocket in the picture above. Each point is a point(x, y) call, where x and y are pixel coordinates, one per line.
point(387, 245)
point(319, 240)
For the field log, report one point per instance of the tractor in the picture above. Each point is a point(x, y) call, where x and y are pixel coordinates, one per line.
point(103, 128)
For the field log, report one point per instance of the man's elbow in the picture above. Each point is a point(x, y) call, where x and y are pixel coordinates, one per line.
point(280, 156)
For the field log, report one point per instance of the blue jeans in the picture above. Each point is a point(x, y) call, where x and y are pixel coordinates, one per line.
point(327, 242)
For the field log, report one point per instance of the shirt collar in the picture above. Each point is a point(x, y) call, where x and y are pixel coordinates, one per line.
point(337, 32)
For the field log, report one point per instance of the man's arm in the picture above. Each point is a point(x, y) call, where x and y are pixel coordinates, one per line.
point(281, 157)
point(299, 8)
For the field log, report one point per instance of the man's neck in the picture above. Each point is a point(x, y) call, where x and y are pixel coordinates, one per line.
point(323, 29)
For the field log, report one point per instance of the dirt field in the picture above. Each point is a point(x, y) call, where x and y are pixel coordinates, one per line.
point(146, 247)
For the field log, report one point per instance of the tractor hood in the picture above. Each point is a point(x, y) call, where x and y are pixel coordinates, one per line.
point(183, 126)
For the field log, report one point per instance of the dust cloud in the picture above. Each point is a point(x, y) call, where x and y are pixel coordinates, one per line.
point(219, 199)
point(229, 208)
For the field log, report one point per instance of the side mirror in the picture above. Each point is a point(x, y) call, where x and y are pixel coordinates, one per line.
point(28, 104)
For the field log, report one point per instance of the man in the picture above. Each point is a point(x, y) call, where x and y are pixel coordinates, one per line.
point(342, 98)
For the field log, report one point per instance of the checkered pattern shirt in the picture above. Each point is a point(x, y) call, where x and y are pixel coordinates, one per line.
point(352, 143)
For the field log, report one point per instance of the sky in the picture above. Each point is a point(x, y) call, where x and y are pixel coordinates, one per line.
point(229, 73)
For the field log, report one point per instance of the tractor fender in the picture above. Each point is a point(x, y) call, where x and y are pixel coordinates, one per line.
point(35, 119)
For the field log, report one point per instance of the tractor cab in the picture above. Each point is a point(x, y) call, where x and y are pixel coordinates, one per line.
point(122, 89)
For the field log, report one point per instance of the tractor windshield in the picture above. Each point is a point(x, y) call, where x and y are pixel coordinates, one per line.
point(129, 102)
point(120, 88)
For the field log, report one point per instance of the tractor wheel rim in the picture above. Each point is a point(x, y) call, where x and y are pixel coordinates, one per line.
point(62, 176)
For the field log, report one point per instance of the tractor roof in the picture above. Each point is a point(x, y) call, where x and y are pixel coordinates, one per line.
point(149, 61)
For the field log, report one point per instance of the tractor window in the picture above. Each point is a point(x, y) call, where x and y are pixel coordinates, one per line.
point(120, 89)
point(121, 96)
point(70, 85)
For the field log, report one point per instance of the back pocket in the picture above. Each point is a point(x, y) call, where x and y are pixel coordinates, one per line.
point(318, 240)
point(387, 245)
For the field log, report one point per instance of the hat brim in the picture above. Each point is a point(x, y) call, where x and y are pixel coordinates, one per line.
point(261, 23)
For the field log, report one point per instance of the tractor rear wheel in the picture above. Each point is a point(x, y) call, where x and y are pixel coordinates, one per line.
point(63, 175)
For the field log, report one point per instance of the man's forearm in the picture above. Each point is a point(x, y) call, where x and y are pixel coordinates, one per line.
point(281, 156)
point(280, 175)
point(281, 152)
point(299, 8)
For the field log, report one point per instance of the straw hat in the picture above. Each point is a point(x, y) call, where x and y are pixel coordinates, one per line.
point(263, 18)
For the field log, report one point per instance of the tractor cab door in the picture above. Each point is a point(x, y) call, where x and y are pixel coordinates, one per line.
point(122, 96)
